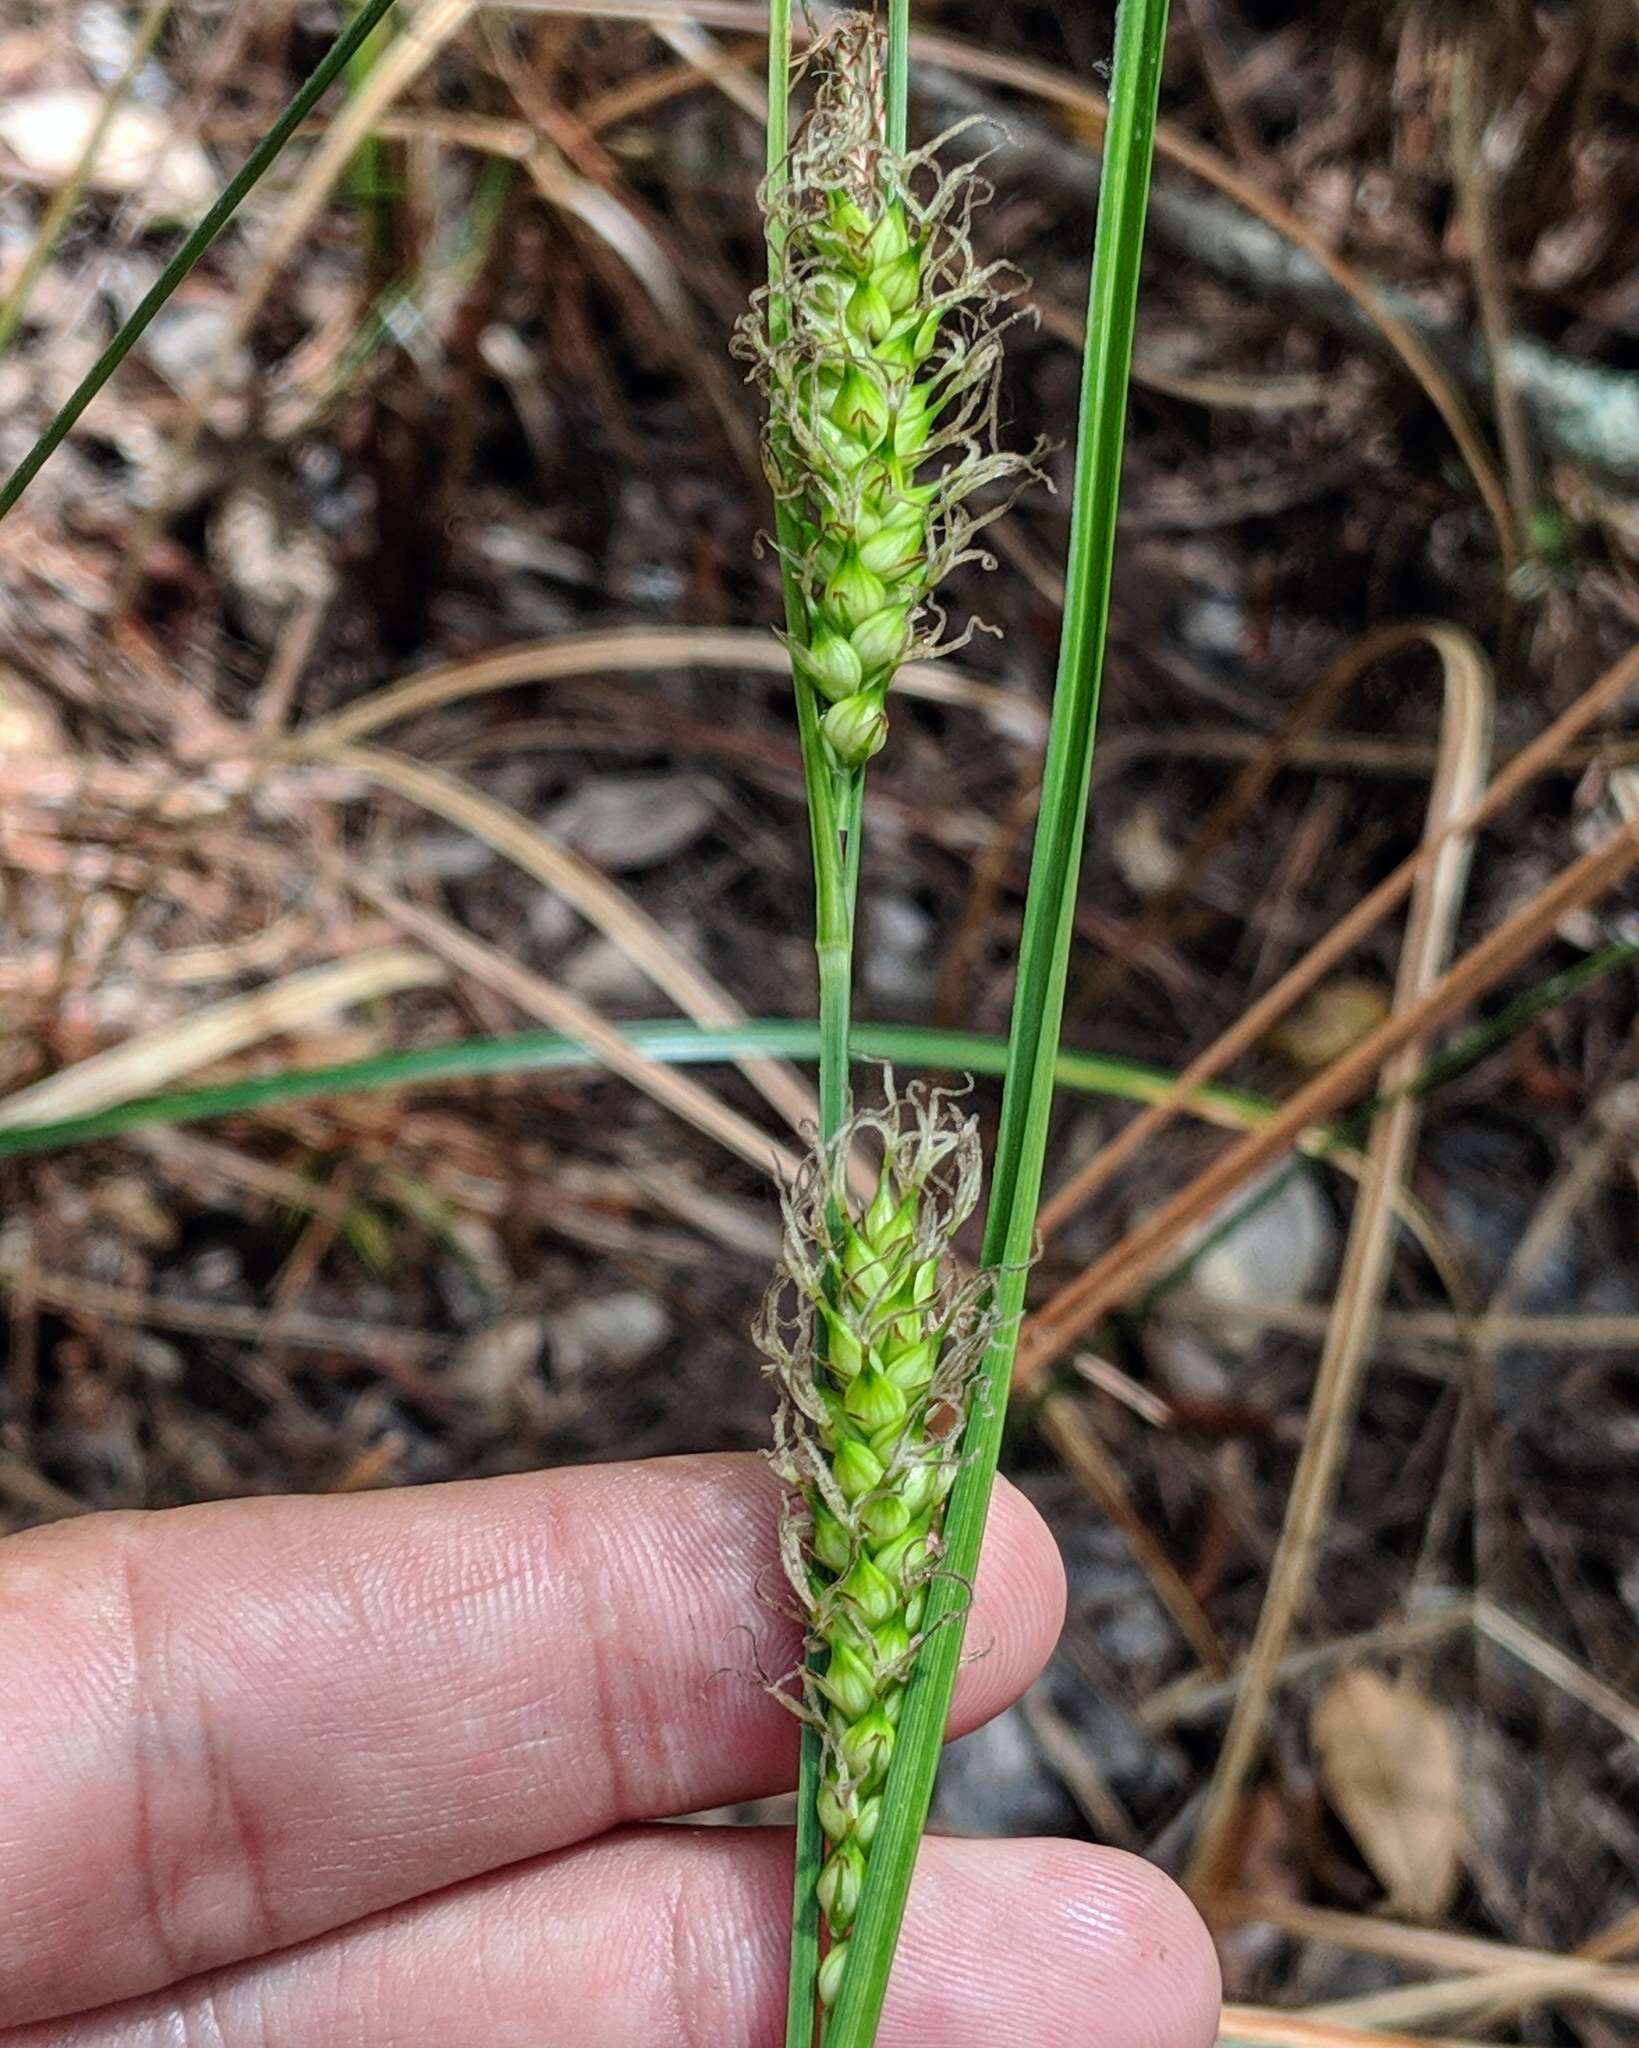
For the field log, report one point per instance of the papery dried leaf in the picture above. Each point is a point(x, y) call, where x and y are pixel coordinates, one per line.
point(1390, 1766)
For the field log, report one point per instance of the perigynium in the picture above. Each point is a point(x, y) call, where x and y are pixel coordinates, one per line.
point(877, 344)
point(874, 1337)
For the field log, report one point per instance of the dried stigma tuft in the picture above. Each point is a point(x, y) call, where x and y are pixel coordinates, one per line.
point(874, 1338)
point(877, 345)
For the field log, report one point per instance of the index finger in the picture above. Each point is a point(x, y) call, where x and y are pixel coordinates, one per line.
point(236, 1726)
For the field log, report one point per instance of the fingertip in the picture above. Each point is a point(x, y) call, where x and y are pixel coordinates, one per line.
point(1018, 1609)
point(1101, 1947)
point(1024, 1546)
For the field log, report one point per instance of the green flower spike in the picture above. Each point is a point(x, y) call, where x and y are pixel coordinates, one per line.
point(874, 1338)
point(880, 375)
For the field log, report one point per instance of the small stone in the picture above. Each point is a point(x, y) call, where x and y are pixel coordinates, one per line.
point(489, 1367)
point(1146, 853)
point(997, 1782)
point(604, 972)
point(897, 964)
point(621, 822)
point(1272, 1245)
point(45, 133)
point(612, 1330)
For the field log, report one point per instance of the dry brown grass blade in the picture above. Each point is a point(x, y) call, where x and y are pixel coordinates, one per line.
point(1078, 1443)
point(715, 65)
point(1473, 182)
point(635, 650)
point(155, 1058)
point(1550, 1662)
point(1415, 1335)
point(1245, 792)
point(1436, 904)
point(1195, 1697)
point(1613, 1943)
point(394, 71)
point(1253, 2026)
point(1459, 657)
point(1532, 760)
point(1516, 1985)
point(188, 966)
point(560, 1011)
point(1472, 1968)
point(1076, 1768)
point(400, 1352)
point(596, 898)
point(1084, 1300)
point(1175, 147)
point(1410, 1332)
point(617, 227)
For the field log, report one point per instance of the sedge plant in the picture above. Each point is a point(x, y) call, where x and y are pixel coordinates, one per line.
point(877, 342)
point(877, 345)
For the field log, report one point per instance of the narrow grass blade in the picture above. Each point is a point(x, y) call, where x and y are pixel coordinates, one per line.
point(371, 181)
point(671, 1041)
point(329, 68)
point(1039, 996)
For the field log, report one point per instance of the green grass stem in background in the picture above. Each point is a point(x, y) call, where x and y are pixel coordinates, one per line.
point(328, 69)
point(372, 178)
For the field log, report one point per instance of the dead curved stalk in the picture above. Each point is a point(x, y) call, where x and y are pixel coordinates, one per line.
point(633, 650)
point(1067, 1309)
point(590, 892)
point(1431, 929)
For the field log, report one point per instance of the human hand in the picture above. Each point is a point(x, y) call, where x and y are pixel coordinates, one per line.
point(381, 1771)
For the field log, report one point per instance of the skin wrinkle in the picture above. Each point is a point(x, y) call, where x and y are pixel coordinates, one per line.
point(202, 2027)
point(233, 1816)
point(684, 1557)
point(168, 1953)
point(607, 1696)
point(682, 1900)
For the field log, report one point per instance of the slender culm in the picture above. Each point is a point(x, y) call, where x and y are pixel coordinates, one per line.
point(874, 1338)
point(881, 385)
point(877, 346)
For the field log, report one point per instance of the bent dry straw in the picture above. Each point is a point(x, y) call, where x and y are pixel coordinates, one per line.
point(874, 1338)
point(880, 375)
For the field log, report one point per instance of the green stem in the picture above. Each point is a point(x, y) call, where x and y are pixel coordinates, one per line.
point(671, 1042)
point(261, 157)
point(899, 72)
point(370, 176)
point(676, 1043)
